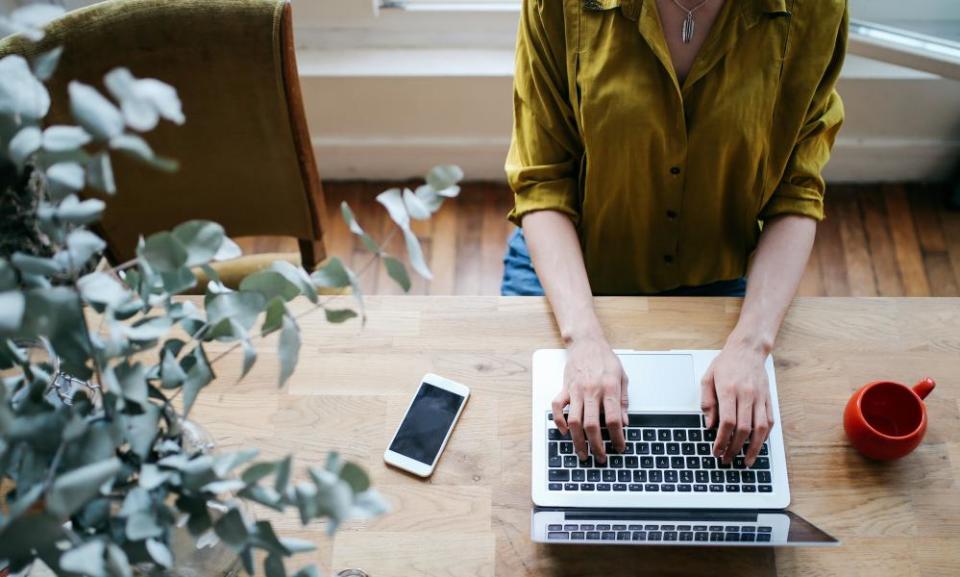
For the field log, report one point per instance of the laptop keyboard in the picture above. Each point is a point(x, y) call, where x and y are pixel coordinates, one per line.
point(659, 532)
point(663, 454)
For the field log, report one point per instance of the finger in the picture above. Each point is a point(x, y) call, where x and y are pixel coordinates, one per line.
point(625, 397)
point(591, 426)
point(761, 428)
point(560, 402)
point(614, 418)
point(742, 430)
point(727, 418)
point(575, 421)
point(708, 398)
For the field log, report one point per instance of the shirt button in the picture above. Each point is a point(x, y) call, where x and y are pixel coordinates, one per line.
point(668, 258)
point(675, 170)
point(671, 214)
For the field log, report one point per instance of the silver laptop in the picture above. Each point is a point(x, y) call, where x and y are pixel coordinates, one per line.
point(666, 488)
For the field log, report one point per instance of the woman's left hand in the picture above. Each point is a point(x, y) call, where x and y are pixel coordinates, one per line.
point(735, 397)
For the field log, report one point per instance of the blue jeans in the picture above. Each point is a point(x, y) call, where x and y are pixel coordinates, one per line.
point(519, 278)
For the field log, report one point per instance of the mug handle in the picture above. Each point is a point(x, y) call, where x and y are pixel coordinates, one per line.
point(924, 387)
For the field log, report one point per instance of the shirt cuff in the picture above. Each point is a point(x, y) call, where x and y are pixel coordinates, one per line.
point(792, 199)
point(557, 195)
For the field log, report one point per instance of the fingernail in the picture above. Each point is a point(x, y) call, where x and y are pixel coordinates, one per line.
point(583, 456)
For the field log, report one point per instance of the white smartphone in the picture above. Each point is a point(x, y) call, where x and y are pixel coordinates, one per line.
point(424, 430)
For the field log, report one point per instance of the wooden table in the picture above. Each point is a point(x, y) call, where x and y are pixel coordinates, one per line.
point(473, 517)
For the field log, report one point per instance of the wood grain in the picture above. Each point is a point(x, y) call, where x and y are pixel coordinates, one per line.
point(472, 518)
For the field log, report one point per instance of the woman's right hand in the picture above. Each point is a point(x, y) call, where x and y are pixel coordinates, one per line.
point(593, 380)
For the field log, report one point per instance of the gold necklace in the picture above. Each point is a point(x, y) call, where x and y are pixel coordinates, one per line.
point(689, 23)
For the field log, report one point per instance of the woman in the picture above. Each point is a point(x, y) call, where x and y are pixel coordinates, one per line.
point(657, 144)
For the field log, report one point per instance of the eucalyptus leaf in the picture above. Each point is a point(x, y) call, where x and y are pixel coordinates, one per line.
point(82, 245)
point(249, 357)
point(243, 307)
point(331, 275)
point(160, 554)
point(271, 284)
point(72, 210)
point(429, 197)
point(273, 566)
point(69, 175)
point(94, 112)
point(24, 143)
point(339, 315)
point(355, 477)
point(288, 348)
point(142, 525)
point(86, 559)
point(350, 219)
point(141, 430)
point(199, 376)
point(72, 490)
point(444, 176)
point(164, 252)
point(152, 477)
point(118, 564)
point(228, 250)
point(12, 304)
point(298, 545)
point(416, 208)
point(298, 277)
point(45, 64)
point(273, 320)
point(392, 200)
point(282, 476)
point(102, 288)
point(416, 254)
point(132, 380)
point(147, 329)
point(100, 173)
point(397, 272)
point(60, 138)
point(22, 96)
point(136, 147)
point(201, 238)
point(232, 528)
point(171, 374)
point(224, 463)
point(36, 265)
point(308, 571)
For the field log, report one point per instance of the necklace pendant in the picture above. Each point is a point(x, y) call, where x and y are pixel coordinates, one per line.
point(689, 23)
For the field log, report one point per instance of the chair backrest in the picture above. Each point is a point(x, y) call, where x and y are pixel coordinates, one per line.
point(245, 155)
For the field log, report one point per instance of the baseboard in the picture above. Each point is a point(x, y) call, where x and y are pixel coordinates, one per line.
point(854, 160)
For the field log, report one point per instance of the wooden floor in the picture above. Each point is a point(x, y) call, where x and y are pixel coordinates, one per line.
point(887, 240)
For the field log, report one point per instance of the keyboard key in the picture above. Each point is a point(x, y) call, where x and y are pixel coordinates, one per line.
point(646, 462)
point(694, 435)
point(670, 476)
point(708, 462)
point(685, 477)
point(764, 450)
point(619, 487)
point(765, 529)
point(688, 448)
point(676, 462)
point(649, 435)
point(633, 434)
point(554, 527)
point(587, 487)
point(609, 476)
point(555, 487)
point(748, 476)
point(587, 527)
point(654, 536)
point(578, 535)
point(716, 488)
point(749, 488)
point(593, 475)
point(603, 486)
point(662, 462)
point(570, 461)
point(716, 476)
point(748, 529)
point(668, 488)
point(680, 435)
point(733, 488)
point(553, 449)
point(733, 476)
point(722, 465)
point(571, 487)
point(765, 488)
point(635, 487)
point(627, 449)
point(639, 536)
point(763, 477)
point(558, 536)
point(566, 448)
point(631, 462)
point(670, 536)
point(684, 488)
point(673, 448)
point(603, 527)
point(732, 537)
point(555, 435)
point(716, 536)
point(578, 475)
point(761, 463)
point(608, 536)
point(700, 536)
point(739, 462)
point(702, 476)
point(732, 528)
point(663, 435)
point(699, 488)
point(703, 449)
point(555, 461)
point(587, 463)
point(643, 448)
point(710, 435)
point(623, 535)
point(616, 461)
point(683, 527)
point(667, 527)
point(651, 488)
point(593, 535)
point(571, 527)
point(559, 475)
point(640, 476)
point(748, 537)
point(699, 527)
point(686, 536)
point(658, 448)
point(763, 537)
point(656, 476)
point(624, 476)
point(716, 528)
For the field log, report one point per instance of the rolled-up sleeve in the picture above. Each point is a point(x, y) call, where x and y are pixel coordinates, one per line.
point(802, 187)
point(543, 163)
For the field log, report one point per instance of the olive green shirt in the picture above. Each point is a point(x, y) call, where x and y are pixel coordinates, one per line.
point(668, 184)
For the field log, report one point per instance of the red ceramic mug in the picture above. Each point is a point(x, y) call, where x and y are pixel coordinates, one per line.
point(886, 420)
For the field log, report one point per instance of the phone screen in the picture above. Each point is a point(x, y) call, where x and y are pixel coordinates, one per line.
point(425, 427)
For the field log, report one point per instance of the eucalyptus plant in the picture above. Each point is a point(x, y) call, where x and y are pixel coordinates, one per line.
point(102, 481)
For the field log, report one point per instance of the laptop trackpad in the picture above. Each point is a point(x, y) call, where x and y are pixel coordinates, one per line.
point(663, 382)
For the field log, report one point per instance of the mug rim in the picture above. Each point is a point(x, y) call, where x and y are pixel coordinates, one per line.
point(923, 411)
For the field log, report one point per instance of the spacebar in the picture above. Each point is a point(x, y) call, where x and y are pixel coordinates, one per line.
point(688, 421)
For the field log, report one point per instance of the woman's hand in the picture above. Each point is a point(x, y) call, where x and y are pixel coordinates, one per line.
point(735, 394)
point(593, 379)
